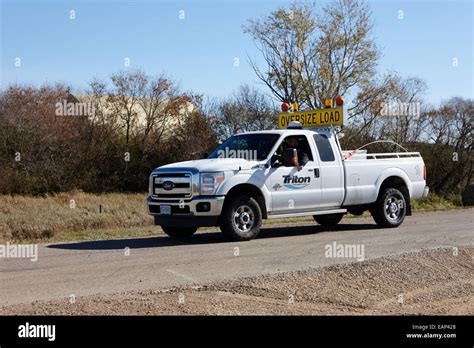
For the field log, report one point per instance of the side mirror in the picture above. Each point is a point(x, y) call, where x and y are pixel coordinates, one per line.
point(204, 155)
point(290, 157)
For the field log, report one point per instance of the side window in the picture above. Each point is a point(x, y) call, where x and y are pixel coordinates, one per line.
point(324, 147)
point(300, 142)
point(304, 146)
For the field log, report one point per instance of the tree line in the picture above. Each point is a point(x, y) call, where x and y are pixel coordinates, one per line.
point(141, 121)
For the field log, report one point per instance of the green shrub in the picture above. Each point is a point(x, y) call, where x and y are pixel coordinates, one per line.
point(432, 202)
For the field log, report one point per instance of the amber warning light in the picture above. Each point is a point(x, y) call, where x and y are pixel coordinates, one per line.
point(289, 107)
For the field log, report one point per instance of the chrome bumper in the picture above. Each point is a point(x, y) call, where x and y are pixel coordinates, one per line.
point(426, 191)
point(216, 206)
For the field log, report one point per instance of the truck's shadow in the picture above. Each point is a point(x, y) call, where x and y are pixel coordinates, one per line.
point(203, 238)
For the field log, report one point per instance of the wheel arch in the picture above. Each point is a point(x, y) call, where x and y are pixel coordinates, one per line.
point(400, 183)
point(252, 191)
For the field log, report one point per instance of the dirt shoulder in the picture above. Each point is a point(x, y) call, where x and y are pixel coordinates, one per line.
point(439, 281)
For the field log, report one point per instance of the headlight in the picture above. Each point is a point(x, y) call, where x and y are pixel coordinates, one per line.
point(210, 182)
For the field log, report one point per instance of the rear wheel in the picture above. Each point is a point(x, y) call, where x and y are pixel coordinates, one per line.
point(241, 219)
point(390, 208)
point(329, 220)
point(179, 232)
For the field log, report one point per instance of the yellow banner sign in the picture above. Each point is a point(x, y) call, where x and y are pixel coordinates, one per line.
point(312, 118)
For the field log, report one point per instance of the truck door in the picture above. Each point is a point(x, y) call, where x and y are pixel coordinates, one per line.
point(331, 171)
point(293, 190)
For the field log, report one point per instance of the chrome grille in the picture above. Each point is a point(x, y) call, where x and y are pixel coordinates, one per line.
point(181, 185)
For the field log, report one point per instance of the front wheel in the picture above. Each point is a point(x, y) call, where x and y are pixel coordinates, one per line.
point(241, 219)
point(179, 232)
point(329, 220)
point(390, 208)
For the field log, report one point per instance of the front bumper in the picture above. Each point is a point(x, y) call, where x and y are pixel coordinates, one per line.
point(187, 208)
point(185, 214)
point(426, 191)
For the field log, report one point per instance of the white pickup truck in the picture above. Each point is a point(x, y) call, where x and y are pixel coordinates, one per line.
point(258, 175)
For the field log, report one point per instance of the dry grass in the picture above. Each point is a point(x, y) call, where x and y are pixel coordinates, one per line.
point(23, 217)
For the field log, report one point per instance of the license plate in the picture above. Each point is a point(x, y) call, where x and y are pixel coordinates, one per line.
point(165, 209)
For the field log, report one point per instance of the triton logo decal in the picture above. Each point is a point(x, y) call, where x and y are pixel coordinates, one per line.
point(296, 182)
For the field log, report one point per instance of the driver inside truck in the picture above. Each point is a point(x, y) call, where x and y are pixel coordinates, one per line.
point(293, 143)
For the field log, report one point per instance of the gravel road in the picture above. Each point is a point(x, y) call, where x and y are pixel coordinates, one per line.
point(101, 268)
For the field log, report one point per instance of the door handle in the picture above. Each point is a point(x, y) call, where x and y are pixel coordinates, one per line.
point(316, 172)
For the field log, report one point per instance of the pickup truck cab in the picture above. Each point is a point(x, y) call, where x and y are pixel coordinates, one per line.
point(256, 175)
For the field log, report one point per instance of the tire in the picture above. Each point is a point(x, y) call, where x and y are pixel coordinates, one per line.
point(329, 220)
point(179, 232)
point(241, 219)
point(390, 208)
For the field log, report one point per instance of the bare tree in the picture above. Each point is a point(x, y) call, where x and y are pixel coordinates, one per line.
point(128, 89)
point(259, 112)
point(285, 39)
point(309, 57)
point(372, 111)
point(158, 92)
point(451, 157)
point(348, 55)
point(246, 110)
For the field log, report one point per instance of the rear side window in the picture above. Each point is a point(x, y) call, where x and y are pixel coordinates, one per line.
point(324, 148)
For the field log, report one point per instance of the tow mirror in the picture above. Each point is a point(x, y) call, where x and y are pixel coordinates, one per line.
point(290, 157)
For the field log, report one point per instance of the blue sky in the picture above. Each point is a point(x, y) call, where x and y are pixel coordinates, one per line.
point(199, 50)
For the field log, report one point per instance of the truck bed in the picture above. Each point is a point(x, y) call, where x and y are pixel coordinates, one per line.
point(364, 173)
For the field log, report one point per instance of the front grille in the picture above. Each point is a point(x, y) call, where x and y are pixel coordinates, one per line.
point(181, 186)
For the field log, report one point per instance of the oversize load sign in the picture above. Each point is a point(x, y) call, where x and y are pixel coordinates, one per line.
point(312, 118)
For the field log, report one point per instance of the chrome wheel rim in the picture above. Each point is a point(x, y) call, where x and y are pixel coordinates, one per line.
point(394, 208)
point(244, 218)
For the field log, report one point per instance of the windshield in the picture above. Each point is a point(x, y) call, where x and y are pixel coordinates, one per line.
point(247, 146)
